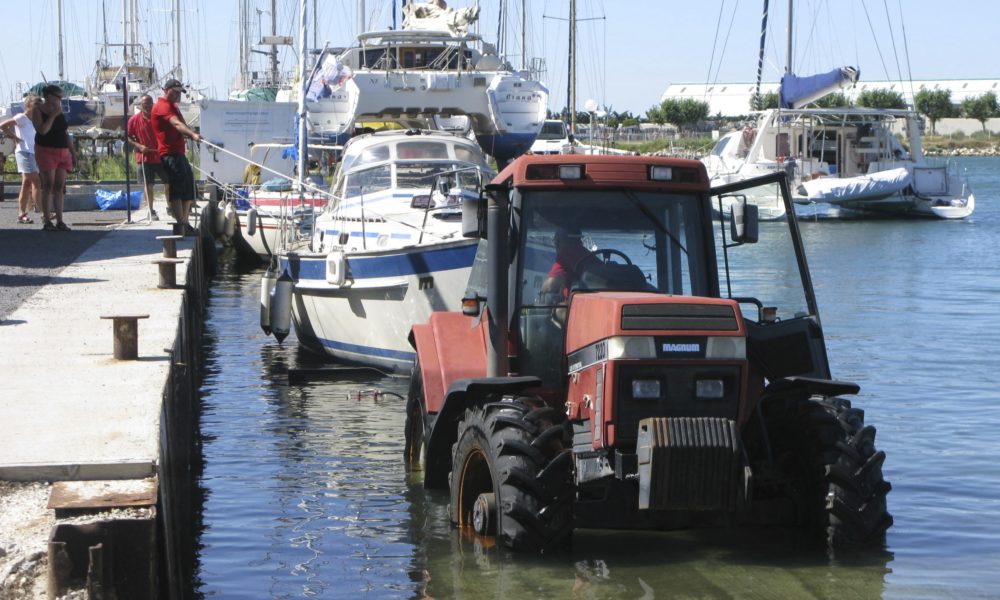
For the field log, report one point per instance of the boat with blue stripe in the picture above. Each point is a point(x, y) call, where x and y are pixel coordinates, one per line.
point(387, 251)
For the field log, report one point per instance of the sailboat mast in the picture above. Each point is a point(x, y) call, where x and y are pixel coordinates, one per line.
point(571, 91)
point(524, 29)
point(177, 40)
point(361, 16)
point(62, 76)
point(125, 40)
point(760, 57)
point(274, 47)
point(303, 148)
point(788, 62)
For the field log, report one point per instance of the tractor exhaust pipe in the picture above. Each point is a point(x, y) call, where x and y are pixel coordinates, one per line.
point(498, 259)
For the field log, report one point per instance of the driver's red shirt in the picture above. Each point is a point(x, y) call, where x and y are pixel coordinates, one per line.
point(569, 257)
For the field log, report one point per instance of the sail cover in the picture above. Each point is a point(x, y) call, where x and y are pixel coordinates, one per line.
point(797, 91)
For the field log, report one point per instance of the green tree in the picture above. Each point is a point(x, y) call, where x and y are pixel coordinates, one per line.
point(981, 108)
point(837, 100)
point(767, 100)
point(934, 104)
point(685, 113)
point(881, 98)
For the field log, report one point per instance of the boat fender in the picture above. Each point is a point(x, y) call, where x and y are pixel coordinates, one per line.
point(266, 286)
point(251, 222)
point(336, 267)
point(219, 219)
point(280, 313)
point(230, 220)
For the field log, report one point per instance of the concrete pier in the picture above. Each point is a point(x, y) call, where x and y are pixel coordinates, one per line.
point(115, 434)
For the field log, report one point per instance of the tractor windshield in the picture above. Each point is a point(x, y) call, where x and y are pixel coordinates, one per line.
point(601, 240)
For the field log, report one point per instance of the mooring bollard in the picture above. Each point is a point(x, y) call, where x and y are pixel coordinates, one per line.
point(168, 272)
point(126, 332)
point(170, 245)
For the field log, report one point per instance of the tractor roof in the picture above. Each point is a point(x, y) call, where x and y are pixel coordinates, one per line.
point(598, 171)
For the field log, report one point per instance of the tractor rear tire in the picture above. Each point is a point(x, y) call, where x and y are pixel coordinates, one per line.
point(824, 447)
point(512, 456)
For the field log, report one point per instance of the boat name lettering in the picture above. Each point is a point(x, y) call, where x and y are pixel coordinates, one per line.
point(525, 97)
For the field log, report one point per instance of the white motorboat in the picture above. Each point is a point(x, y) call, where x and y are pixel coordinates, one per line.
point(848, 158)
point(388, 250)
point(431, 68)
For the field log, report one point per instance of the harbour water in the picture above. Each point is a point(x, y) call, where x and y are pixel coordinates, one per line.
point(305, 494)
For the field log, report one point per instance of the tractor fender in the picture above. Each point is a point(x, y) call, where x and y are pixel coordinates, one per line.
point(443, 427)
point(809, 386)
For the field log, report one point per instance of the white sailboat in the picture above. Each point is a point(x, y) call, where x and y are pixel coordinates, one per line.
point(847, 158)
point(387, 252)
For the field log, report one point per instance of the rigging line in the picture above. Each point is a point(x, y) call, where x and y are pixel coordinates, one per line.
point(892, 36)
point(715, 43)
point(803, 48)
point(875, 39)
point(906, 50)
point(725, 44)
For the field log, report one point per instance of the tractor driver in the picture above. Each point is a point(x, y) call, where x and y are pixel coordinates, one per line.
point(571, 257)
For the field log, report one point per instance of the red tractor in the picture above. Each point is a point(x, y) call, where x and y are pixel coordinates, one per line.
point(637, 350)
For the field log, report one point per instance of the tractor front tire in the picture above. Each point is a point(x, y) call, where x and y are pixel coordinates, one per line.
point(512, 475)
point(834, 470)
point(415, 430)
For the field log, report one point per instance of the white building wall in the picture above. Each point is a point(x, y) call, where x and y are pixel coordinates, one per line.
point(732, 99)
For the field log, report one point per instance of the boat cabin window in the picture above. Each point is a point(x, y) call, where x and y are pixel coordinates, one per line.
point(423, 175)
point(720, 146)
point(369, 155)
point(421, 149)
point(374, 58)
point(470, 156)
point(368, 181)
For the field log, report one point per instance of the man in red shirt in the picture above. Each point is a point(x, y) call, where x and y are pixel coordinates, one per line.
point(170, 128)
point(147, 159)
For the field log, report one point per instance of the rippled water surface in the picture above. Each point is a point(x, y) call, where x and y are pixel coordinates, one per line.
point(306, 495)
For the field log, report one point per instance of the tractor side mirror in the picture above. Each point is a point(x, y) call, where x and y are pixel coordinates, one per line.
point(474, 217)
point(744, 223)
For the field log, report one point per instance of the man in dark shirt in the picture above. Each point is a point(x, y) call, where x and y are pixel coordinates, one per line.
point(170, 128)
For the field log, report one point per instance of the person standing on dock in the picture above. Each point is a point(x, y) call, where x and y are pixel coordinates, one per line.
point(170, 128)
point(55, 154)
point(147, 158)
point(22, 130)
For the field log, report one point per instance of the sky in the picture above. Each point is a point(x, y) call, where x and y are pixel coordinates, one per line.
point(628, 51)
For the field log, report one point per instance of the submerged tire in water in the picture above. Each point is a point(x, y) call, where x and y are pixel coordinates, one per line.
point(415, 444)
point(511, 459)
point(828, 455)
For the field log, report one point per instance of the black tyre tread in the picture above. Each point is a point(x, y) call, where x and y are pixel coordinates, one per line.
point(830, 455)
point(532, 469)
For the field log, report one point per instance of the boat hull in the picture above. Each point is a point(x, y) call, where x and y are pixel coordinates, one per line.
point(367, 319)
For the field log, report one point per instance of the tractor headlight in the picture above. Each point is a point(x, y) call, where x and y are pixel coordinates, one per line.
point(645, 388)
point(709, 388)
point(631, 347)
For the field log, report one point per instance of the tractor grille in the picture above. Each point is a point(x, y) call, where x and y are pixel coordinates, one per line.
point(679, 317)
point(689, 464)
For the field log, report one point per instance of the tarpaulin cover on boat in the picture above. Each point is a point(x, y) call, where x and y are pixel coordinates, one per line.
point(835, 190)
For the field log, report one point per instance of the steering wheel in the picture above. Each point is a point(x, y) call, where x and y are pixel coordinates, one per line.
point(602, 254)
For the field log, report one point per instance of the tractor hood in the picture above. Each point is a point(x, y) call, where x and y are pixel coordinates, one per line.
point(594, 317)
